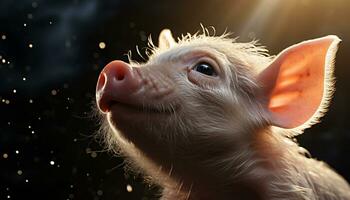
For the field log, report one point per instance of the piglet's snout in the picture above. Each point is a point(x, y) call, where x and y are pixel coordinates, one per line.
point(116, 83)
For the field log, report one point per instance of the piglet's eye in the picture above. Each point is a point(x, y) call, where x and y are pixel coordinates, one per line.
point(205, 68)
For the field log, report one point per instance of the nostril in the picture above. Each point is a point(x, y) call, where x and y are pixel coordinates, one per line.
point(120, 76)
point(120, 71)
point(101, 81)
point(116, 71)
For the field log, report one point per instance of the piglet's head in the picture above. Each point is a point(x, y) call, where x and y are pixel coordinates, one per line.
point(201, 97)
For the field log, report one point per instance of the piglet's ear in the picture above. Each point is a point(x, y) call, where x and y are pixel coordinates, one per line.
point(166, 40)
point(298, 84)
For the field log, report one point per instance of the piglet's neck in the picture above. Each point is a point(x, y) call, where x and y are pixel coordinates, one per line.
point(248, 178)
point(245, 189)
point(237, 192)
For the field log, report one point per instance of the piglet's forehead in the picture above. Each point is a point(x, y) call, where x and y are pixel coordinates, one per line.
point(227, 50)
point(189, 55)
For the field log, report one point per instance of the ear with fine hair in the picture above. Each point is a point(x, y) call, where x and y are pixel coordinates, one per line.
point(166, 39)
point(298, 84)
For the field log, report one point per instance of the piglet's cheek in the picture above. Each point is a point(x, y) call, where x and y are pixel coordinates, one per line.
point(202, 80)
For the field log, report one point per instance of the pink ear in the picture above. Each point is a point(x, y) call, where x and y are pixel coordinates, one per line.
point(297, 81)
point(166, 39)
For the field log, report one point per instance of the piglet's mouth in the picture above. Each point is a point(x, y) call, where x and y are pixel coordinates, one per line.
point(124, 108)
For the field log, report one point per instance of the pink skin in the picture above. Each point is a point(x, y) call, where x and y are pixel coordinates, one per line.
point(205, 136)
point(116, 83)
point(122, 83)
point(131, 93)
point(124, 93)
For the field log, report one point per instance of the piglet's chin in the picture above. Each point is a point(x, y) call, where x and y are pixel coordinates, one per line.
point(136, 113)
point(131, 119)
point(123, 116)
point(120, 125)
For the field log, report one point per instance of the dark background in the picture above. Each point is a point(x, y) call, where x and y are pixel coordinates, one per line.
point(50, 60)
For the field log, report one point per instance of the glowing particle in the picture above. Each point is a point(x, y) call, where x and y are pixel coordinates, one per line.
point(8, 196)
point(24, 78)
point(102, 45)
point(7, 101)
point(3, 37)
point(30, 16)
point(14, 91)
point(128, 188)
point(94, 154)
point(52, 162)
point(30, 45)
point(17, 152)
point(29, 126)
point(99, 192)
point(68, 44)
point(25, 25)
point(143, 35)
point(3, 60)
point(54, 92)
point(50, 22)
point(34, 4)
point(19, 172)
point(5, 155)
point(33, 132)
point(30, 100)
point(27, 180)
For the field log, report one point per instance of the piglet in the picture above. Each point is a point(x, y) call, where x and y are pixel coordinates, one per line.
point(207, 117)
